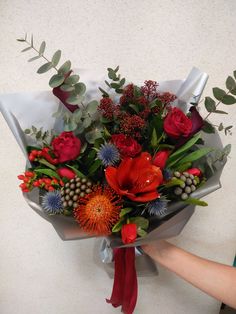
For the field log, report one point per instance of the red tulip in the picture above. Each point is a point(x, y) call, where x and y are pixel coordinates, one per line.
point(195, 172)
point(66, 172)
point(136, 178)
point(129, 233)
point(160, 158)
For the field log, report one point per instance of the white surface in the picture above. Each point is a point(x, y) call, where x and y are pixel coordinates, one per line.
point(158, 40)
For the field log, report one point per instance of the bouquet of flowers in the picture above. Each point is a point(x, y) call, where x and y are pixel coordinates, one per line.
point(125, 164)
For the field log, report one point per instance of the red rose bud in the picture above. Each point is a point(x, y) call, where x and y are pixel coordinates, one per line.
point(66, 172)
point(127, 146)
point(129, 233)
point(195, 172)
point(66, 147)
point(160, 158)
point(177, 124)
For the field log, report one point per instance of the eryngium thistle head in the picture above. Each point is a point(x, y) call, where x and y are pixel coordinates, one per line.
point(158, 207)
point(52, 203)
point(108, 154)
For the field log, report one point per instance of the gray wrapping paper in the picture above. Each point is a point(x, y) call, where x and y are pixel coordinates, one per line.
point(22, 110)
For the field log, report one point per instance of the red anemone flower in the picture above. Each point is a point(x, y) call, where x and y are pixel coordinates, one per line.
point(136, 178)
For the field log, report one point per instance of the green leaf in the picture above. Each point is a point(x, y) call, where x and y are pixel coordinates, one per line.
point(42, 48)
point(105, 120)
point(208, 127)
point(38, 134)
point(125, 211)
point(56, 80)
point(195, 201)
point(72, 79)
point(111, 74)
point(137, 91)
point(122, 81)
point(65, 68)
point(48, 172)
point(20, 39)
point(227, 129)
point(229, 100)
point(80, 88)
point(92, 136)
point(141, 232)
point(220, 111)
point(45, 67)
point(230, 83)
point(173, 182)
point(183, 149)
point(141, 222)
point(56, 58)
point(95, 166)
point(77, 172)
point(118, 226)
point(155, 103)
point(134, 107)
point(210, 104)
point(87, 122)
point(104, 93)
point(154, 138)
point(34, 58)
point(70, 125)
point(77, 115)
point(74, 100)
point(195, 155)
point(115, 85)
point(227, 149)
point(184, 167)
point(46, 163)
point(235, 74)
point(26, 49)
point(220, 127)
point(218, 93)
point(67, 88)
point(92, 106)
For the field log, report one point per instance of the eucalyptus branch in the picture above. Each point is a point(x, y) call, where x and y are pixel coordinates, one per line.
point(219, 102)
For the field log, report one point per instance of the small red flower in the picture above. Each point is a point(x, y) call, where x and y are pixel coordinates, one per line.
point(160, 158)
point(136, 178)
point(127, 146)
point(129, 233)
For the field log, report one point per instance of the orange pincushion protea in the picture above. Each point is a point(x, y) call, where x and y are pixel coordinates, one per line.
point(98, 211)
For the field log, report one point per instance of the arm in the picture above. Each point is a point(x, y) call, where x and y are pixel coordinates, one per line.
point(213, 278)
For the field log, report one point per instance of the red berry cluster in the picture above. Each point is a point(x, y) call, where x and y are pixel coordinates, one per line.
point(132, 125)
point(128, 95)
point(27, 178)
point(48, 183)
point(44, 153)
point(106, 107)
point(30, 181)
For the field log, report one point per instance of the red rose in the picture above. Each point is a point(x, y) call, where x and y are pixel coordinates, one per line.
point(129, 233)
point(160, 158)
point(66, 147)
point(127, 146)
point(177, 124)
point(66, 172)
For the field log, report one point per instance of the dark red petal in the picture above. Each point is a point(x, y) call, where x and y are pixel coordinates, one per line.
point(111, 177)
point(124, 173)
point(197, 121)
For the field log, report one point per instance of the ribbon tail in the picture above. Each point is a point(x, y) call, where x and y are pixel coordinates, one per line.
point(130, 284)
point(119, 278)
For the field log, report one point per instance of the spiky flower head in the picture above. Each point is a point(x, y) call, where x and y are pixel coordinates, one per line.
point(158, 207)
point(108, 154)
point(52, 203)
point(98, 211)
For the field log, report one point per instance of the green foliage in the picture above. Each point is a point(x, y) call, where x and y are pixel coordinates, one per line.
point(195, 201)
point(41, 136)
point(199, 153)
point(116, 83)
point(208, 127)
point(48, 172)
point(125, 211)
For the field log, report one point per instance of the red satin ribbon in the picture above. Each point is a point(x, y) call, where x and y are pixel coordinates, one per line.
point(125, 287)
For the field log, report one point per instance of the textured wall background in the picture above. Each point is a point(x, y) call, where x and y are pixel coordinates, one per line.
point(150, 39)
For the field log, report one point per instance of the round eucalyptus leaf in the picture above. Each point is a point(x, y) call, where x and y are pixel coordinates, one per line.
point(45, 67)
point(72, 79)
point(92, 107)
point(65, 68)
point(87, 122)
point(80, 88)
point(56, 80)
point(56, 58)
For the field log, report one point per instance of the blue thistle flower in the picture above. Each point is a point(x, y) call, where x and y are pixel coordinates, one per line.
point(167, 174)
point(108, 154)
point(158, 207)
point(52, 203)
